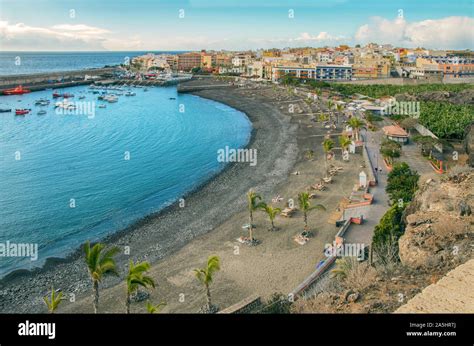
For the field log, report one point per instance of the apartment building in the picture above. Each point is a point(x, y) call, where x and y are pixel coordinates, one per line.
point(316, 72)
point(188, 61)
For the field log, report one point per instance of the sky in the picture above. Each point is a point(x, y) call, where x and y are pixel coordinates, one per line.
point(121, 25)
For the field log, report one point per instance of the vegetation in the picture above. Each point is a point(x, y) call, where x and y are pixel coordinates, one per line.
point(344, 142)
point(390, 150)
point(387, 233)
point(356, 124)
point(446, 120)
point(99, 263)
point(205, 276)
point(289, 80)
point(254, 202)
point(271, 212)
point(53, 302)
point(153, 309)
point(427, 143)
point(305, 207)
point(378, 90)
point(328, 145)
point(402, 183)
point(135, 278)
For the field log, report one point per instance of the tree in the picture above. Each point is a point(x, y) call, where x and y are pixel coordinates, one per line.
point(254, 202)
point(271, 212)
point(343, 267)
point(153, 309)
point(390, 150)
point(356, 124)
point(99, 263)
point(387, 233)
point(135, 278)
point(344, 142)
point(409, 124)
point(402, 183)
point(305, 207)
point(427, 143)
point(330, 105)
point(328, 145)
point(53, 302)
point(205, 276)
point(339, 109)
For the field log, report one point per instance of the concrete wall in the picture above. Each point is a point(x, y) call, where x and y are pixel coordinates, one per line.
point(425, 132)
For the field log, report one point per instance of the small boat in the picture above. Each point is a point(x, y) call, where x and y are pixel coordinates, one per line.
point(19, 90)
point(172, 98)
point(130, 93)
point(5, 110)
point(42, 112)
point(67, 95)
point(102, 106)
point(22, 111)
point(81, 97)
point(42, 102)
point(146, 89)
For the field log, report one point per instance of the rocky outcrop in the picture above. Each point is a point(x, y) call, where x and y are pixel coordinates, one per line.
point(440, 223)
point(452, 294)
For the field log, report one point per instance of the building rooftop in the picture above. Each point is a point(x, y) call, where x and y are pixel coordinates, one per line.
point(394, 131)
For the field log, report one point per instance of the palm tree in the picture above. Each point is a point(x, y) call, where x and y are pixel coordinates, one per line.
point(54, 301)
point(271, 212)
point(204, 275)
point(356, 124)
point(305, 207)
point(152, 309)
point(254, 203)
point(339, 109)
point(344, 142)
point(136, 278)
point(343, 267)
point(330, 105)
point(99, 263)
point(328, 144)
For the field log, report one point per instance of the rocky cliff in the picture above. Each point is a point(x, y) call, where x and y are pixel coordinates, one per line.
point(440, 223)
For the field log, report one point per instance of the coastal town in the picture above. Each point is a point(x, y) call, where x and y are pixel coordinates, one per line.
point(355, 152)
point(342, 63)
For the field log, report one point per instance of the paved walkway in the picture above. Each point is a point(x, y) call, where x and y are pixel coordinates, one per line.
point(373, 213)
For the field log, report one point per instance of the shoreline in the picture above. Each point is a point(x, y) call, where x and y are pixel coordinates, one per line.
point(61, 271)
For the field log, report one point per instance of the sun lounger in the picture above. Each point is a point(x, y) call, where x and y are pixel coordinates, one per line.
point(327, 180)
point(287, 212)
point(301, 240)
point(319, 187)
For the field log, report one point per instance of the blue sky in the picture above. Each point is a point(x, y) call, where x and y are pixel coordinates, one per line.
point(231, 24)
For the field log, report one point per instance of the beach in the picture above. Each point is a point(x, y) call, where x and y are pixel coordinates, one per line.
point(179, 239)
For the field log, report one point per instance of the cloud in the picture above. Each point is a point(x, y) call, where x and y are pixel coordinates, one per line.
point(20, 36)
point(447, 33)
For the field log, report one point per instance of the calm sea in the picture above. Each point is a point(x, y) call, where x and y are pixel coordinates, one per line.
point(12, 63)
point(68, 178)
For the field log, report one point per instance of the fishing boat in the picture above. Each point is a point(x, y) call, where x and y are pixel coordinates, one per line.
point(19, 90)
point(64, 105)
point(130, 93)
point(22, 111)
point(5, 110)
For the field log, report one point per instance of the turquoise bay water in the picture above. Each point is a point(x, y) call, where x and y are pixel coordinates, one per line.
point(64, 157)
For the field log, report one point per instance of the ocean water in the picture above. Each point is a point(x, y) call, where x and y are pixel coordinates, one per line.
point(12, 63)
point(49, 161)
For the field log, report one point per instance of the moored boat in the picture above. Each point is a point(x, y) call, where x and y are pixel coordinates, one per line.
point(19, 90)
point(22, 111)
